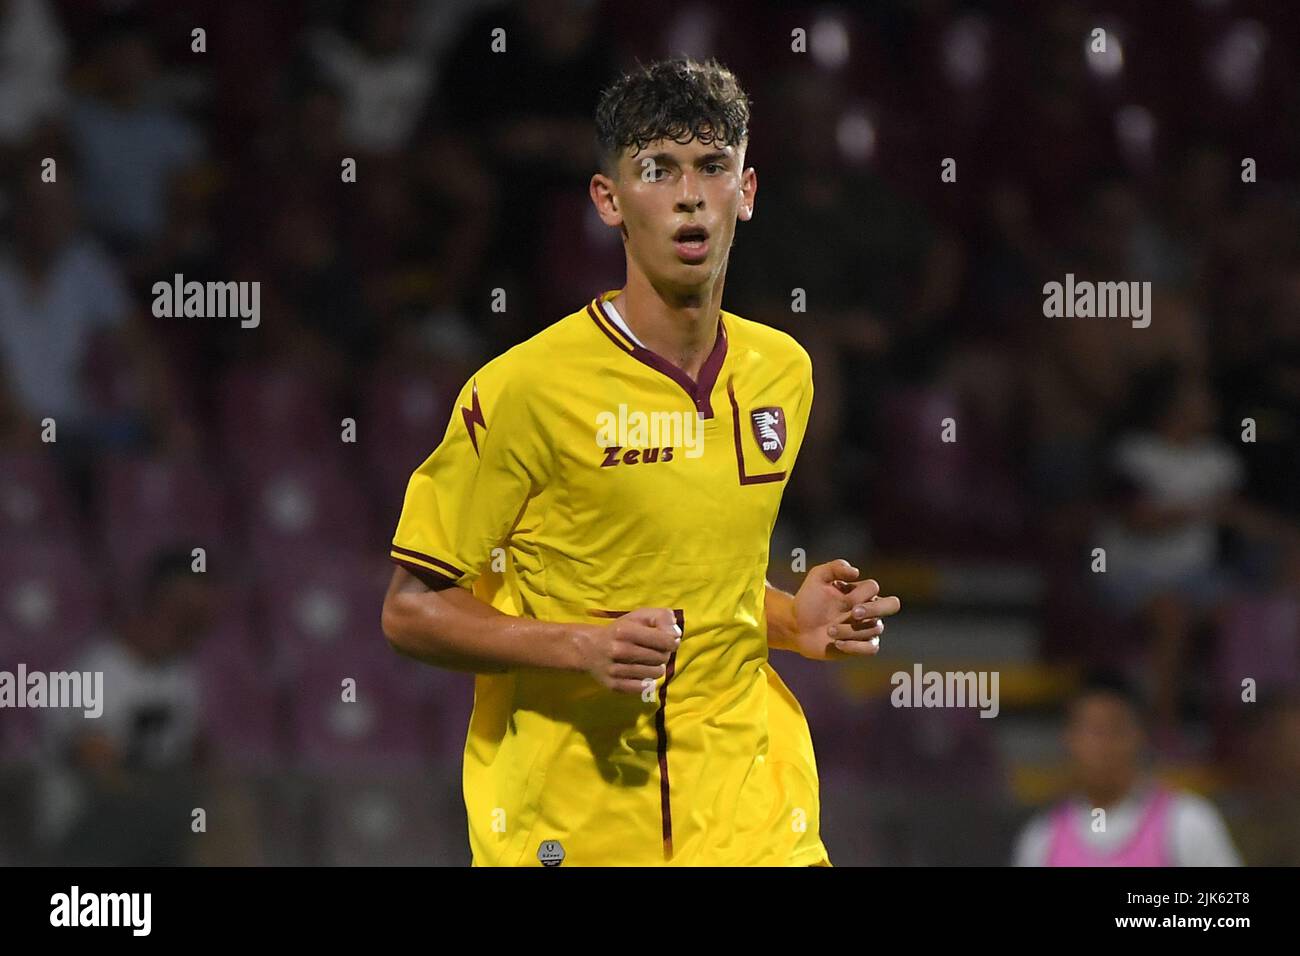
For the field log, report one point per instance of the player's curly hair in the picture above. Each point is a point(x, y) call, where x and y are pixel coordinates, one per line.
point(677, 99)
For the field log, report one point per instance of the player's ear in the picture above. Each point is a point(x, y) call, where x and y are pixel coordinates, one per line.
point(605, 199)
point(748, 190)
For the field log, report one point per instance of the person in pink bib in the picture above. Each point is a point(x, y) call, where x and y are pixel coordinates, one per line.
point(1118, 814)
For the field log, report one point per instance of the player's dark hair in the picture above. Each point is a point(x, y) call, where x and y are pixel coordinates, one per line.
point(678, 99)
point(1105, 682)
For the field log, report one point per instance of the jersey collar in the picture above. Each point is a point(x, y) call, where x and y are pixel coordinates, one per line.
point(701, 391)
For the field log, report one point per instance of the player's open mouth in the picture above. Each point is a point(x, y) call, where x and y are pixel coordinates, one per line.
point(691, 243)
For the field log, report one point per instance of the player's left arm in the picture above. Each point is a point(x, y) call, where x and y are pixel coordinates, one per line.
point(833, 615)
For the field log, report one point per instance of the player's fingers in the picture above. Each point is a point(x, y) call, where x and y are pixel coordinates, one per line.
point(831, 572)
point(629, 651)
point(863, 630)
point(864, 591)
point(660, 617)
point(651, 637)
point(877, 607)
point(637, 672)
point(857, 648)
point(626, 686)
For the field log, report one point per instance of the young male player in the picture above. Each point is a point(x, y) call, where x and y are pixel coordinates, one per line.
point(591, 537)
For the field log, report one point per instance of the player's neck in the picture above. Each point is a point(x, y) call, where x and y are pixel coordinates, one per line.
point(680, 328)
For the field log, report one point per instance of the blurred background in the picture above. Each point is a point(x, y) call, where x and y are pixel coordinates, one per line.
point(925, 303)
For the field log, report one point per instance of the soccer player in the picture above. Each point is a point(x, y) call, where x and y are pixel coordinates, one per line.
point(591, 537)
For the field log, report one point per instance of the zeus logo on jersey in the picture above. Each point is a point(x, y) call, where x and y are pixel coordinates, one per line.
point(635, 456)
point(650, 432)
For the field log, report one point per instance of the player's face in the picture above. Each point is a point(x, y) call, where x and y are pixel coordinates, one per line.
point(1104, 741)
point(678, 204)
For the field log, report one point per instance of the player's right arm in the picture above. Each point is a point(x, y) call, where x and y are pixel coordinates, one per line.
point(450, 627)
point(461, 505)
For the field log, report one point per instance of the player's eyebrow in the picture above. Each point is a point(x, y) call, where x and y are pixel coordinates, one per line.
point(667, 159)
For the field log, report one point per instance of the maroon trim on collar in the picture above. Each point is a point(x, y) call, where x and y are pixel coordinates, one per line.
point(700, 392)
point(740, 455)
point(608, 334)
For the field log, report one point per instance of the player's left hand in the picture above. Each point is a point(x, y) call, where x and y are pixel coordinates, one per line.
point(839, 616)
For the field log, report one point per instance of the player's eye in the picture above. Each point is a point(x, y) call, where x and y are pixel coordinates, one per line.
point(717, 166)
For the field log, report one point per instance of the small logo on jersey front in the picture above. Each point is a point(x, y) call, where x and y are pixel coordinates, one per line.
point(769, 430)
point(550, 853)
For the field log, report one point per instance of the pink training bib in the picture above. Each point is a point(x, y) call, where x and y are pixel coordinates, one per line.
point(1146, 847)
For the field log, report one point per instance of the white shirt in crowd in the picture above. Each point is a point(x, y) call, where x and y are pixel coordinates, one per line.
point(150, 716)
point(1171, 475)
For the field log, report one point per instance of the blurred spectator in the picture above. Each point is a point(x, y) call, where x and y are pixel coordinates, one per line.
point(382, 75)
point(1145, 823)
point(32, 58)
point(877, 273)
point(1174, 485)
point(529, 113)
point(120, 788)
point(62, 303)
point(129, 147)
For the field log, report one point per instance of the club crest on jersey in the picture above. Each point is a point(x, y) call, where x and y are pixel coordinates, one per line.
point(769, 430)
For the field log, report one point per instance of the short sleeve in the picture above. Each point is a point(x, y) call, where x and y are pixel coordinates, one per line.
point(1034, 843)
point(1199, 835)
point(466, 498)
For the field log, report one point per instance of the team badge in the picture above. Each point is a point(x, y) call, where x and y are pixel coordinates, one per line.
point(769, 431)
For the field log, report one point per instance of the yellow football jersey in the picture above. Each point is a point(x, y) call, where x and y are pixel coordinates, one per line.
point(583, 476)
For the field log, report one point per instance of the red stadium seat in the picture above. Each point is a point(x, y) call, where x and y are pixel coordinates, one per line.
point(304, 505)
point(50, 601)
point(405, 416)
point(392, 820)
point(383, 725)
point(579, 256)
point(932, 748)
point(323, 603)
point(33, 498)
point(240, 714)
point(1259, 639)
point(150, 503)
point(268, 414)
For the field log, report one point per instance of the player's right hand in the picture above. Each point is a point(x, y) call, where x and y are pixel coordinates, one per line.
point(631, 649)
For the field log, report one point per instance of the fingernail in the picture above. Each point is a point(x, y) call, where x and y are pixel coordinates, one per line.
point(678, 629)
point(833, 630)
